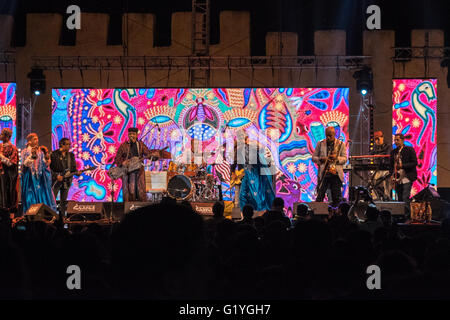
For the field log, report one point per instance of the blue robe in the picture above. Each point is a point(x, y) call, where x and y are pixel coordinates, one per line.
point(36, 183)
point(256, 188)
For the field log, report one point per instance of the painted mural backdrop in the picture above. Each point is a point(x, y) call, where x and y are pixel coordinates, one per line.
point(414, 115)
point(8, 108)
point(292, 119)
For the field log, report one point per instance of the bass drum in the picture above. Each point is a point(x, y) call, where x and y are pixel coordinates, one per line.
point(180, 187)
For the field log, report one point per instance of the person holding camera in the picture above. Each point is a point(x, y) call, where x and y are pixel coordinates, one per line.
point(36, 176)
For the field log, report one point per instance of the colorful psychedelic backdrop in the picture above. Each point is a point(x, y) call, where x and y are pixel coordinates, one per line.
point(414, 115)
point(8, 108)
point(96, 121)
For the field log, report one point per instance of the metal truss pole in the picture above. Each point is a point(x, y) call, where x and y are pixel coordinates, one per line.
point(199, 68)
point(23, 123)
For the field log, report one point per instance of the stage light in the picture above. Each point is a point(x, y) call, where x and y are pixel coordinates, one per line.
point(364, 80)
point(37, 81)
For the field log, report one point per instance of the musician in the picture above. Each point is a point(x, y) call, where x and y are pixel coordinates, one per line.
point(9, 159)
point(404, 168)
point(256, 187)
point(334, 151)
point(62, 162)
point(237, 167)
point(36, 176)
point(381, 148)
point(133, 183)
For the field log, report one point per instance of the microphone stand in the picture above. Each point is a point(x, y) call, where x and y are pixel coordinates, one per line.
point(111, 220)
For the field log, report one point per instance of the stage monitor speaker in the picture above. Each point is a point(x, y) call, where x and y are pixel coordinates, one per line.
point(427, 194)
point(40, 212)
point(134, 205)
point(203, 208)
point(396, 208)
point(85, 211)
point(319, 208)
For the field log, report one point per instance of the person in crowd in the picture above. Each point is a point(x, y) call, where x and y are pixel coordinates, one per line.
point(247, 215)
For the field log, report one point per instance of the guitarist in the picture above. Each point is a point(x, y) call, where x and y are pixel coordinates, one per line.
point(404, 170)
point(62, 162)
point(133, 183)
point(237, 174)
point(330, 154)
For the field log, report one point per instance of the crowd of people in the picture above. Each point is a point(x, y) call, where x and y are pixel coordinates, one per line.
point(168, 251)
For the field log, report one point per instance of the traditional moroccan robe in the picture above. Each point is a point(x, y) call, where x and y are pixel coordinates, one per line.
point(123, 153)
point(36, 180)
point(256, 188)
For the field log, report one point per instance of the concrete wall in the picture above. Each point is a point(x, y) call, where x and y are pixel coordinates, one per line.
point(43, 32)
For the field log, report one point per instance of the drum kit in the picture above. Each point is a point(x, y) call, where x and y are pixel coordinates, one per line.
point(184, 181)
point(192, 182)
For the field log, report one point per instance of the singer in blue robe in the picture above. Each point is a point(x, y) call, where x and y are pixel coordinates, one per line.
point(256, 188)
point(36, 180)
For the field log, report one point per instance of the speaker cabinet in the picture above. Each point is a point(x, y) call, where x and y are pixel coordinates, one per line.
point(85, 211)
point(134, 205)
point(40, 212)
point(319, 208)
point(395, 207)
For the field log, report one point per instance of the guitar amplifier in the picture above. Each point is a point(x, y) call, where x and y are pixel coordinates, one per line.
point(85, 211)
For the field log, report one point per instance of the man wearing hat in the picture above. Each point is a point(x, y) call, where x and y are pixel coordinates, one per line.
point(383, 188)
point(133, 183)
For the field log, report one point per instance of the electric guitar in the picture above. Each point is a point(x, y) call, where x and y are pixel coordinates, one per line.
point(236, 177)
point(69, 174)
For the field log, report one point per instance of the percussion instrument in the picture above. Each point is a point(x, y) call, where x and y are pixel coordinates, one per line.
point(191, 170)
point(180, 187)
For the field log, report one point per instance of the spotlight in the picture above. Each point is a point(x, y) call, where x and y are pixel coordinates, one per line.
point(37, 81)
point(364, 80)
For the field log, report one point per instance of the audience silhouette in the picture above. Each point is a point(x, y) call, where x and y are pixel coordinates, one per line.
point(168, 251)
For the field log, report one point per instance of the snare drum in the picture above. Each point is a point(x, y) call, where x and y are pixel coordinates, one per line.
point(180, 187)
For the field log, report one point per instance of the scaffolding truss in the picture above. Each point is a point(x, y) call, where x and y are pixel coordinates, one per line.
point(23, 121)
point(199, 75)
point(199, 62)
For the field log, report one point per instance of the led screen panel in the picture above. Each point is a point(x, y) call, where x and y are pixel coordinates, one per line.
point(292, 121)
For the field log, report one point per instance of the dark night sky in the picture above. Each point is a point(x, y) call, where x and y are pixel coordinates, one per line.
point(300, 16)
